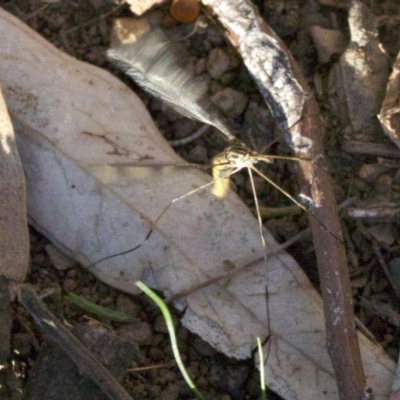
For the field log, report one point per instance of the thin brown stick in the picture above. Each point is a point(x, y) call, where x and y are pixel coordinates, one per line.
point(285, 90)
point(85, 361)
point(236, 270)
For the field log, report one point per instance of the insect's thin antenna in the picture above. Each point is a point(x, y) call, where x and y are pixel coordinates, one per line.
point(267, 146)
point(190, 138)
point(282, 135)
point(264, 245)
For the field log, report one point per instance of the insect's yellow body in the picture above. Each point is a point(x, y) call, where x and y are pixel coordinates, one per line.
point(235, 157)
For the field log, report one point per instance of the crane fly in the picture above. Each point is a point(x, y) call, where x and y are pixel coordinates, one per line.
point(156, 65)
point(235, 157)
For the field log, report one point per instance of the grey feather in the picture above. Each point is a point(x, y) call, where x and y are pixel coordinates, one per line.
point(162, 68)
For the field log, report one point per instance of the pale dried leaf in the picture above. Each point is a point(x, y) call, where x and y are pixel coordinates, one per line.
point(395, 395)
point(72, 120)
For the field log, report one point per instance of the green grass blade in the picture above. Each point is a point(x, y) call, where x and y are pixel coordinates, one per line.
point(100, 311)
point(171, 330)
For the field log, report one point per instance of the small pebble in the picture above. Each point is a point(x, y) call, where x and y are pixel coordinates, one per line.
point(184, 127)
point(106, 301)
point(193, 369)
point(85, 292)
point(39, 259)
point(69, 285)
point(228, 78)
point(185, 10)
point(215, 87)
point(202, 382)
point(60, 21)
point(383, 184)
point(232, 102)
point(156, 354)
point(235, 60)
point(160, 324)
point(127, 305)
point(203, 348)
point(215, 37)
point(198, 154)
point(157, 339)
point(182, 334)
point(165, 376)
point(72, 273)
point(154, 392)
point(218, 63)
point(228, 379)
point(140, 333)
point(328, 42)
point(370, 172)
point(171, 392)
point(382, 233)
point(207, 46)
point(139, 389)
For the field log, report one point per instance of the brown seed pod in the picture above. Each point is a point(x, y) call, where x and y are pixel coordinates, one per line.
point(185, 10)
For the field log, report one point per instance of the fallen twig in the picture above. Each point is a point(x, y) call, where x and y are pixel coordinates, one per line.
point(85, 361)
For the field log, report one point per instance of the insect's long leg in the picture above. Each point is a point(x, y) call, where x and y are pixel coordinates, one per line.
point(114, 255)
point(276, 186)
point(271, 182)
point(260, 225)
point(227, 175)
point(212, 182)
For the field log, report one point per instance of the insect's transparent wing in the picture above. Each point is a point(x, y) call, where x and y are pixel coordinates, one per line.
point(121, 174)
point(162, 68)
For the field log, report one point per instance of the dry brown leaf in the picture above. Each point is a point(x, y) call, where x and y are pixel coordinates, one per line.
point(14, 238)
point(357, 82)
